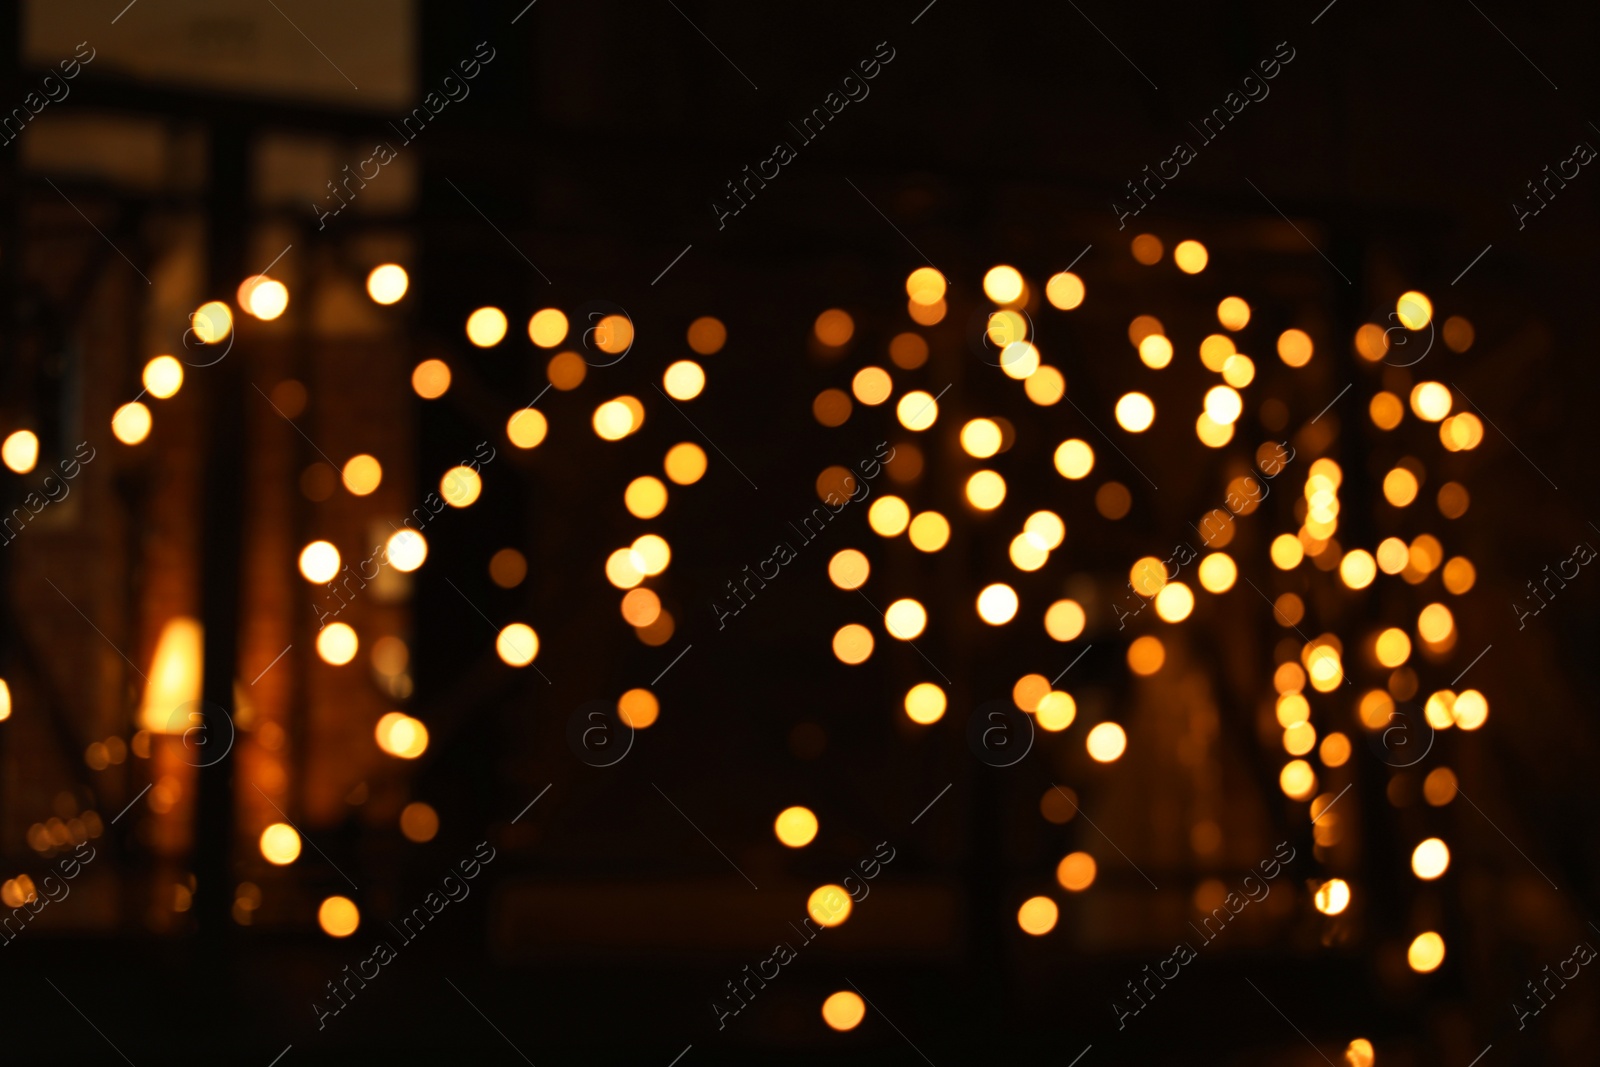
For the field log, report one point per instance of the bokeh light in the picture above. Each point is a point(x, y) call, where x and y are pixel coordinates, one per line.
point(517, 644)
point(130, 423)
point(486, 327)
point(1038, 916)
point(547, 327)
point(20, 451)
point(1425, 953)
point(280, 844)
point(163, 377)
point(1106, 742)
point(387, 283)
point(795, 826)
point(997, 604)
point(925, 703)
point(338, 916)
point(843, 1010)
point(1190, 256)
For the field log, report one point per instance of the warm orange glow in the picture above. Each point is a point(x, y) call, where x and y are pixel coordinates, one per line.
point(926, 314)
point(848, 569)
point(997, 604)
point(645, 497)
point(362, 474)
point(930, 531)
point(925, 286)
point(1174, 602)
point(1223, 404)
point(1298, 780)
point(828, 905)
point(547, 327)
point(843, 1010)
point(1430, 859)
point(130, 423)
point(338, 917)
point(280, 844)
point(431, 379)
point(925, 703)
point(419, 822)
point(1019, 359)
point(981, 438)
point(796, 826)
point(337, 644)
point(1064, 620)
point(517, 644)
point(651, 554)
point(1191, 257)
point(1135, 412)
point(265, 298)
point(1425, 953)
point(526, 428)
point(834, 328)
point(917, 410)
point(1056, 711)
point(1076, 871)
point(566, 370)
point(1215, 350)
point(684, 380)
point(1047, 527)
point(707, 335)
point(1332, 896)
point(1238, 371)
point(1064, 290)
point(163, 377)
point(1028, 691)
point(319, 562)
point(685, 463)
point(852, 644)
point(638, 708)
point(1106, 742)
point(1045, 386)
point(1414, 310)
point(1233, 313)
point(889, 516)
point(1357, 569)
point(406, 550)
point(1038, 916)
point(1294, 347)
point(460, 486)
point(1003, 284)
point(387, 283)
point(1218, 572)
point(905, 619)
point(20, 451)
point(986, 490)
point(1146, 655)
point(1435, 624)
point(616, 419)
point(486, 327)
point(1400, 487)
point(398, 734)
point(1287, 552)
point(212, 322)
point(1074, 459)
point(174, 679)
point(1431, 401)
point(1155, 351)
point(1334, 750)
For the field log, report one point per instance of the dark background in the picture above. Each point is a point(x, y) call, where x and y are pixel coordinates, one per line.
point(1396, 141)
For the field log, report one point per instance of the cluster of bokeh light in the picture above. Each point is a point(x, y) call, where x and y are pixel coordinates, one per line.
point(1314, 685)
